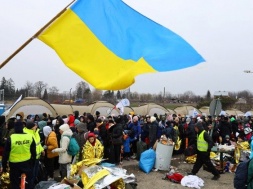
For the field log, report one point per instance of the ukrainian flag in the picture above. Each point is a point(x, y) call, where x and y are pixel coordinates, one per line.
point(108, 43)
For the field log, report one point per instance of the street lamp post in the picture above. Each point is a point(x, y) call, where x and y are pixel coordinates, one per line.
point(70, 95)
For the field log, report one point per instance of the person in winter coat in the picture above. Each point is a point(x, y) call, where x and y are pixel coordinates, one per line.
point(64, 157)
point(126, 145)
point(135, 133)
point(90, 123)
point(2, 127)
point(20, 116)
point(32, 128)
point(204, 145)
point(71, 120)
point(41, 124)
point(251, 148)
point(81, 137)
point(188, 134)
point(100, 126)
point(161, 127)
point(20, 151)
point(50, 144)
point(250, 175)
point(8, 131)
point(152, 131)
point(240, 146)
point(93, 148)
point(145, 130)
point(225, 128)
point(116, 134)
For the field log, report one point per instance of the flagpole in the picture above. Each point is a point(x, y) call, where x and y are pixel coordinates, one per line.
point(35, 35)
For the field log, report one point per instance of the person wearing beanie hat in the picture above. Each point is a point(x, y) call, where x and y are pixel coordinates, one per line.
point(64, 157)
point(134, 135)
point(92, 148)
point(20, 154)
point(81, 137)
point(204, 145)
point(31, 128)
point(50, 144)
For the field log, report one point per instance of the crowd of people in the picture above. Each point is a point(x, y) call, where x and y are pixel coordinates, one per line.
point(26, 141)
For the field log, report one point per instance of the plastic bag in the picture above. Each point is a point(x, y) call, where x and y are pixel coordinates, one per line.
point(147, 160)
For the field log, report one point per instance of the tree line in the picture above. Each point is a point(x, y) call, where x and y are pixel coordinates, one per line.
point(82, 90)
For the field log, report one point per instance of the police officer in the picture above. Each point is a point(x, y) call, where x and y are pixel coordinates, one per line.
point(32, 129)
point(20, 151)
point(204, 145)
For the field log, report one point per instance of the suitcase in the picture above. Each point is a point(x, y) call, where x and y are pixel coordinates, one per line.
point(141, 147)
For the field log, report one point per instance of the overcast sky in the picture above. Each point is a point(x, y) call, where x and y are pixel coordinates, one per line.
point(221, 31)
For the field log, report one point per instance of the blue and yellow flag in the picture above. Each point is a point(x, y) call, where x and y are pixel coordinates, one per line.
point(108, 43)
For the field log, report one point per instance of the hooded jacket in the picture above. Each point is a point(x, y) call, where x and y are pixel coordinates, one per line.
point(36, 137)
point(64, 157)
point(71, 120)
point(51, 143)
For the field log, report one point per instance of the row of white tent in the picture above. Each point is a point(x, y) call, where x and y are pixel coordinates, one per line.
point(34, 105)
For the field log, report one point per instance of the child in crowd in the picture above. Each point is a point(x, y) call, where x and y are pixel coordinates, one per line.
point(126, 145)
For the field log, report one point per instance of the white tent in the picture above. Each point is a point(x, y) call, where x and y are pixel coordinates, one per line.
point(30, 105)
point(150, 109)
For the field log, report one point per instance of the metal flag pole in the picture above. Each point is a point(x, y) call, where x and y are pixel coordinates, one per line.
point(35, 35)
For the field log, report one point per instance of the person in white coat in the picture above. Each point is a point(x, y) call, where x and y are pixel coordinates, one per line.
point(64, 157)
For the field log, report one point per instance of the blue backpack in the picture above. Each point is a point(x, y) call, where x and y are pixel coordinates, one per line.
point(73, 147)
point(241, 175)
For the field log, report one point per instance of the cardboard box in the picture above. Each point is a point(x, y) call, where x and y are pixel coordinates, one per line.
point(81, 170)
point(72, 183)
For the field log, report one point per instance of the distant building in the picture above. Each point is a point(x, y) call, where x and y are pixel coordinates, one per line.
point(220, 93)
point(241, 101)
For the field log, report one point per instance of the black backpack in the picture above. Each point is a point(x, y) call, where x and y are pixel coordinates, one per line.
point(241, 175)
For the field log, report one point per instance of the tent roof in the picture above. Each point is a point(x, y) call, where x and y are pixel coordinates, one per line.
point(234, 112)
point(30, 105)
point(186, 110)
point(150, 109)
point(63, 109)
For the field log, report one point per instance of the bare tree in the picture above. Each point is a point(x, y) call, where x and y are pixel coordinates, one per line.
point(29, 88)
point(53, 94)
point(188, 96)
point(81, 87)
point(97, 95)
point(39, 87)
